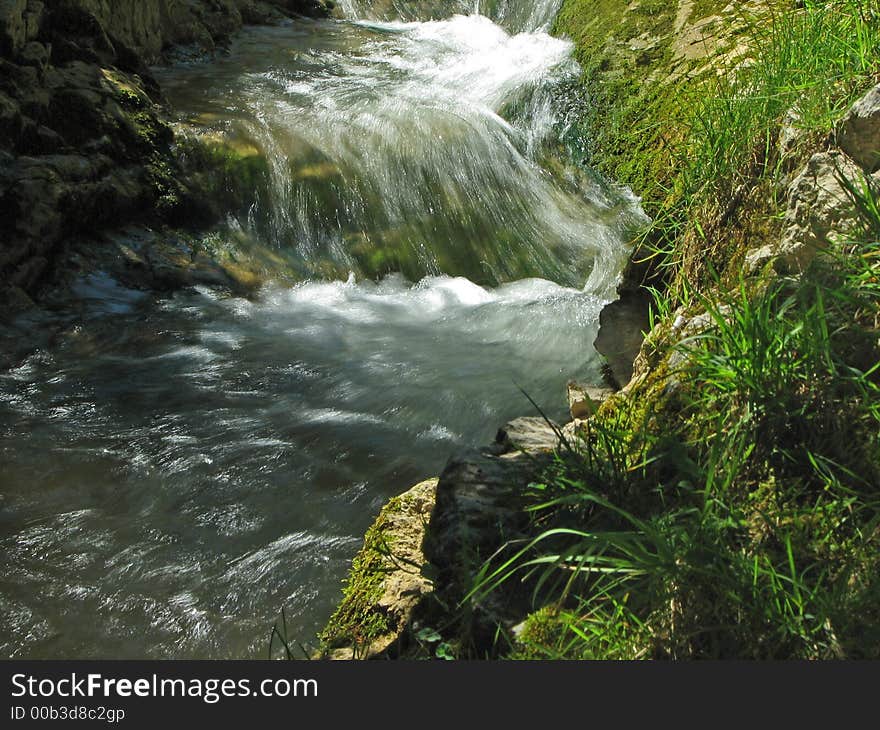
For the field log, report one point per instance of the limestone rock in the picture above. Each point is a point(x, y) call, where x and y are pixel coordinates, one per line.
point(573, 431)
point(387, 581)
point(859, 132)
point(528, 433)
point(818, 212)
point(584, 400)
point(791, 145)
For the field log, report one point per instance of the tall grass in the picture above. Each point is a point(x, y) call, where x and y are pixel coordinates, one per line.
point(805, 69)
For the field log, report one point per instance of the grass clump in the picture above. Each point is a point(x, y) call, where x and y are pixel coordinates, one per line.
point(805, 68)
point(697, 136)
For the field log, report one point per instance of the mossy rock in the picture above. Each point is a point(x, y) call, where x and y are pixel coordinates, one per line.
point(387, 581)
point(227, 172)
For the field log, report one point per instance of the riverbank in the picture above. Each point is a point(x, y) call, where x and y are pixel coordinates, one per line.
point(718, 501)
point(86, 145)
point(723, 503)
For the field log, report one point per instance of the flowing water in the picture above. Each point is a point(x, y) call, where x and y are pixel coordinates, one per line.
point(174, 471)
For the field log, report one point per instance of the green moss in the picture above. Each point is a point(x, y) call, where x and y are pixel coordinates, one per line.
point(358, 620)
point(227, 173)
point(554, 633)
point(125, 90)
point(624, 51)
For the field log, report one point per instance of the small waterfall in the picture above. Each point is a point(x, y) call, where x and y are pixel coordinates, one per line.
point(422, 147)
point(179, 469)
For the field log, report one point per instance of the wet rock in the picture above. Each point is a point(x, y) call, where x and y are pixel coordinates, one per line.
point(11, 121)
point(59, 176)
point(77, 34)
point(16, 300)
point(83, 144)
point(859, 131)
point(33, 18)
point(422, 551)
point(142, 258)
point(310, 8)
point(260, 13)
point(478, 500)
point(13, 27)
point(479, 509)
point(35, 54)
point(38, 139)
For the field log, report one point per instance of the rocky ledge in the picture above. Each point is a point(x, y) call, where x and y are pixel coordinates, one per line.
point(421, 553)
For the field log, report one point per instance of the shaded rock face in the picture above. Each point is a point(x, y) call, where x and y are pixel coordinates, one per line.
point(479, 495)
point(622, 325)
point(150, 26)
point(83, 144)
point(81, 140)
point(480, 508)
